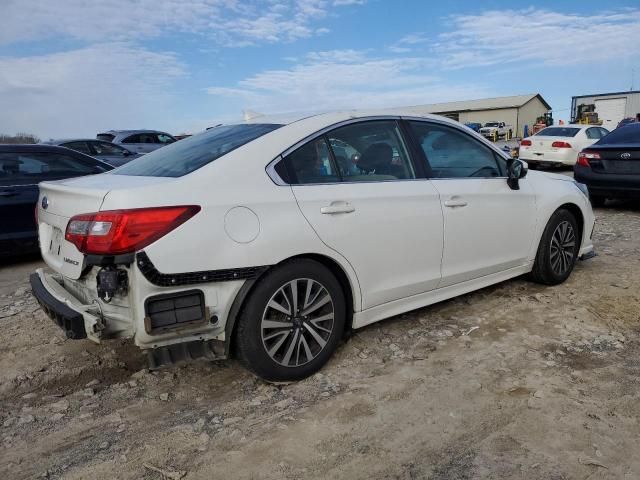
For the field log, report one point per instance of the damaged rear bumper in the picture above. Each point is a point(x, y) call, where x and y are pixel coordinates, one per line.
point(76, 320)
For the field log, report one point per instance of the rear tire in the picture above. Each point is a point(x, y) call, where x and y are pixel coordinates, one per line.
point(292, 321)
point(597, 201)
point(558, 249)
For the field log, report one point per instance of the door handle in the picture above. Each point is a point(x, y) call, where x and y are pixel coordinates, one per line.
point(455, 202)
point(337, 207)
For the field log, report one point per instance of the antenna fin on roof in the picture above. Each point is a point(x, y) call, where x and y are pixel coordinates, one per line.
point(250, 115)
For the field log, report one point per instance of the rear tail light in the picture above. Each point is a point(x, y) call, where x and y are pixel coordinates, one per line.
point(584, 157)
point(114, 232)
point(561, 145)
point(525, 143)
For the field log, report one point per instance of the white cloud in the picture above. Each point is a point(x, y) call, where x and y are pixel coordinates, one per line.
point(539, 37)
point(85, 90)
point(345, 79)
point(228, 22)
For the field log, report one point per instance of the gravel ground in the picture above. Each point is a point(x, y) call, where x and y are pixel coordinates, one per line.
point(513, 381)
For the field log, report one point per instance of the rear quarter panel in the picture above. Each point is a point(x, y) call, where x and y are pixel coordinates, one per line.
point(205, 242)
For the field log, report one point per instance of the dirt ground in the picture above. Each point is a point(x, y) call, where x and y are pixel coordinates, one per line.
point(516, 381)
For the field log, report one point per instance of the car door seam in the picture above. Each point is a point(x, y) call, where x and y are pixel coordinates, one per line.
point(328, 246)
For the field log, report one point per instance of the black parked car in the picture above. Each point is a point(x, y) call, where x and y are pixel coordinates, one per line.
point(22, 167)
point(611, 166)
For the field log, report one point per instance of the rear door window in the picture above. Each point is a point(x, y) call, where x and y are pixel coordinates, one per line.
point(370, 151)
point(104, 148)
point(594, 133)
point(134, 139)
point(81, 147)
point(312, 163)
point(165, 139)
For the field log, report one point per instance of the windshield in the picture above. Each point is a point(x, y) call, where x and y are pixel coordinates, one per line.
point(558, 132)
point(622, 135)
point(190, 154)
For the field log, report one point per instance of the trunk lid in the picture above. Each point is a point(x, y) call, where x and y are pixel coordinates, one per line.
point(66, 198)
point(616, 159)
point(543, 144)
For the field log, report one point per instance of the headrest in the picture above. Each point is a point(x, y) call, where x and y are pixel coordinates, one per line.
point(376, 156)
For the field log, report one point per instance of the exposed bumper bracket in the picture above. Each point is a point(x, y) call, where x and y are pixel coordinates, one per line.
point(185, 352)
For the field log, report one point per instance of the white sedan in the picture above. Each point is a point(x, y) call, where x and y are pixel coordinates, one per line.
point(559, 145)
point(268, 241)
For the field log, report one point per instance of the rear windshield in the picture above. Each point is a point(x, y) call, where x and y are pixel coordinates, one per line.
point(558, 132)
point(107, 137)
point(623, 135)
point(187, 155)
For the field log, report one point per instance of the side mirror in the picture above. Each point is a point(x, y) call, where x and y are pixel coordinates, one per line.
point(126, 153)
point(516, 169)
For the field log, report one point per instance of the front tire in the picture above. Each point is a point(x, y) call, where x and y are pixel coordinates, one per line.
point(558, 249)
point(292, 321)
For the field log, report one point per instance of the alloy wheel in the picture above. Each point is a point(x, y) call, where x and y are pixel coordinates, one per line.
point(563, 242)
point(297, 322)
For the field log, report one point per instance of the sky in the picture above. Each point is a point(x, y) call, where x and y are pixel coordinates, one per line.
point(72, 68)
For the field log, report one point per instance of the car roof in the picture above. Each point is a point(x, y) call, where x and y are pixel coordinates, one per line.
point(295, 131)
point(120, 132)
point(325, 119)
point(37, 147)
point(58, 141)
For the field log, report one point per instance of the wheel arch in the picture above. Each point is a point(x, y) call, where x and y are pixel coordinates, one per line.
point(576, 211)
point(243, 294)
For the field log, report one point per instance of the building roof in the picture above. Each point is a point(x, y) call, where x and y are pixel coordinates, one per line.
point(496, 103)
point(628, 92)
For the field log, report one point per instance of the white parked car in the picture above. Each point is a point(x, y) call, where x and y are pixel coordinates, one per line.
point(268, 241)
point(559, 145)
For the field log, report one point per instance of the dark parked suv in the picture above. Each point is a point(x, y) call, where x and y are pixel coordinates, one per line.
point(611, 166)
point(22, 167)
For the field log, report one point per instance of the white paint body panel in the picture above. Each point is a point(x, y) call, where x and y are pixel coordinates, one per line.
point(400, 249)
point(489, 232)
point(395, 228)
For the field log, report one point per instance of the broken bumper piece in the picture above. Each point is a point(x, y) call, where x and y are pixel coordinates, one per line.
point(72, 316)
point(66, 318)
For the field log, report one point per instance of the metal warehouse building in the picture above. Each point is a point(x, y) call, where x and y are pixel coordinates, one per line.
point(517, 110)
point(610, 107)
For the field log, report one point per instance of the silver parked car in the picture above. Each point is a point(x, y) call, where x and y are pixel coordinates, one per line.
point(114, 155)
point(140, 141)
